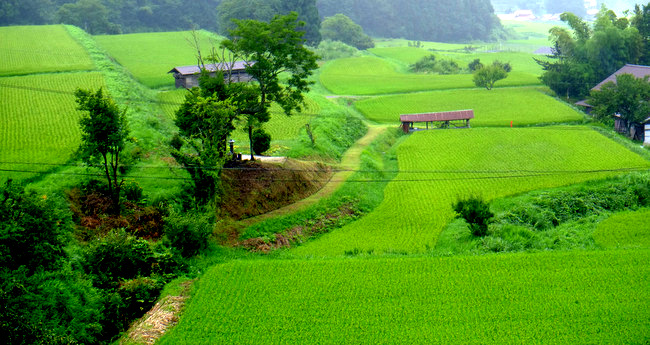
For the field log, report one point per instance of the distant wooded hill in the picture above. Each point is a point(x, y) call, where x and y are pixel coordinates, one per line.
point(442, 20)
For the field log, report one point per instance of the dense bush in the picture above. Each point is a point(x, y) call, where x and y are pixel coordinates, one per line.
point(429, 64)
point(330, 50)
point(261, 141)
point(341, 28)
point(476, 213)
point(188, 233)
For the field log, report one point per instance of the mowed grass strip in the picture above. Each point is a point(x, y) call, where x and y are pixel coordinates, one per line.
point(149, 56)
point(37, 49)
point(627, 229)
point(39, 122)
point(369, 75)
point(496, 107)
point(438, 167)
point(281, 127)
point(544, 298)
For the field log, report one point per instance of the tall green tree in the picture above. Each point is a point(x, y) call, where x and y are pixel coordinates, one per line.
point(205, 120)
point(90, 15)
point(488, 75)
point(341, 28)
point(629, 97)
point(265, 10)
point(278, 62)
point(104, 136)
point(587, 54)
point(641, 21)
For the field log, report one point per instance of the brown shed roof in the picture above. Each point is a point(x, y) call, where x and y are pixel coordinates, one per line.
point(189, 70)
point(440, 116)
point(638, 71)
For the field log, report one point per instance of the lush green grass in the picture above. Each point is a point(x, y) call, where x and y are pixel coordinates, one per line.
point(373, 75)
point(32, 49)
point(567, 298)
point(628, 229)
point(406, 55)
point(282, 128)
point(38, 126)
point(496, 107)
point(438, 167)
point(149, 56)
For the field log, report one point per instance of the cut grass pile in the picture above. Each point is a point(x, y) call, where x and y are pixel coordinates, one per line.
point(625, 230)
point(38, 126)
point(559, 298)
point(496, 107)
point(149, 56)
point(438, 167)
point(37, 49)
point(282, 128)
point(371, 75)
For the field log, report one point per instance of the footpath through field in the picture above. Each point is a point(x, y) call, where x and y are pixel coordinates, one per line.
point(349, 163)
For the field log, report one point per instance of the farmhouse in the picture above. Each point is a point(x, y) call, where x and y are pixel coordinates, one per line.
point(457, 119)
point(188, 76)
point(636, 132)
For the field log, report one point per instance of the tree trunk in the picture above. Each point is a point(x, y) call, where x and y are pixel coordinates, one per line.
point(250, 139)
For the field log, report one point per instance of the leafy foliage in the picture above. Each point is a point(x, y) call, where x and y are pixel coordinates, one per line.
point(440, 21)
point(581, 60)
point(261, 141)
point(488, 75)
point(341, 28)
point(476, 213)
point(264, 10)
point(188, 233)
point(331, 50)
point(629, 97)
point(104, 136)
point(429, 64)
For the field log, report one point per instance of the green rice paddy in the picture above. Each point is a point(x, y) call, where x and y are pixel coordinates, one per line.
point(149, 56)
point(495, 108)
point(625, 230)
point(561, 298)
point(39, 122)
point(38, 49)
point(438, 167)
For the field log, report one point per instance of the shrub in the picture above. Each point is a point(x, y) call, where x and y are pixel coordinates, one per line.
point(132, 191)
point(475, 65)
point(188, 233)
point(429, 64)
point(261, 141)
point(476, 213)
point(330, 50)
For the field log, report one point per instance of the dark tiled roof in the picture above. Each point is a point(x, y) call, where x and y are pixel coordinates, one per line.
point(189, 70)
point(637, 71)
point(441, 116)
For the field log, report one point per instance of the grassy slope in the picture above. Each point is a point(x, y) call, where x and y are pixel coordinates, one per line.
point(437, 167)
point(497, 107)
point(149, 56)
point(32, 49)
point(561, 298)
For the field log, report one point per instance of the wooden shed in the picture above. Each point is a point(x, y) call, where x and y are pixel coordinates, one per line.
point(445, 119)
point(188, 76)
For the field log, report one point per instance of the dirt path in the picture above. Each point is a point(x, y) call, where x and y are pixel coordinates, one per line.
point(349, 163)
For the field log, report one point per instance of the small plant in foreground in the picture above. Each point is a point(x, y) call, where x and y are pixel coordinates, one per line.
point(476, 213)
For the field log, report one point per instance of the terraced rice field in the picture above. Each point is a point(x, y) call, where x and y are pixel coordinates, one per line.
point(625, 230)
point(438, 167)
point(39, 122)
point(38, 49)
point(370, 75)
point(561, 298)
point(281, 127)
point(496, 107)
point(149, 56)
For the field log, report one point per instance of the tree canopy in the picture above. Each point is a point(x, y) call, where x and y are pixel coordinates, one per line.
point(587, 54)
point(443, 20)
point(341, 28)
point(265, 10)
point(629, 97)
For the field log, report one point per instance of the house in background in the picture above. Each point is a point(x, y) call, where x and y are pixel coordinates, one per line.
point(188, 76)
point(641, 132)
